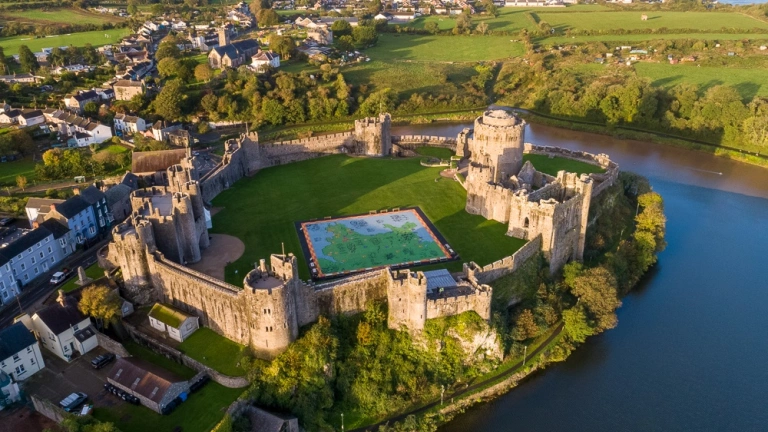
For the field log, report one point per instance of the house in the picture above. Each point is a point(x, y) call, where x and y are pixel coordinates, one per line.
point(63, 329)
point(119, 201)
point(161, 129)
point(176, 323)
point(179, 138)
point(10, 116)
point(127, 89)
point(69, 125)
point(25, 78)
point(321, 34)
point(98, 202)
point(231, 55)
point(31, 118)
point(77, 214)
point(155, 387)
point(39, 207)
point(78, 101)
point(32, 254)
point(128, 124)
point(263, 60)
point(330, 20)
point(20, 356)
point(403, 16)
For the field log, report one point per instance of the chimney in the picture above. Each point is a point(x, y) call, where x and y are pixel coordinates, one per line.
point(61, 299)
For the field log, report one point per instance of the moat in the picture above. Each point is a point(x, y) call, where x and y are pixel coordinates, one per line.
point(689, 350)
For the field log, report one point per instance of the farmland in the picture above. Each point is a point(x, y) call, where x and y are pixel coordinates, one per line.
point(435, 49)
point(59, 16)
point(610, 21)
point(96, 38)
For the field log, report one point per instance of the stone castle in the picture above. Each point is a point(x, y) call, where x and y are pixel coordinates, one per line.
point(168, 230)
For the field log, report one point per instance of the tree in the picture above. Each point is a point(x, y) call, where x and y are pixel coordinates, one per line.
point(168, 66)
point(267, 18)
point(365, 36)
point(282, 45)
point(101, 303)
point(596, 289)
point(167, 48)
point(169, 100)
point(345, 43)
point(576, 327)
point(203, 72)
point(91, 109)
point(21, 182)
point(432, 27)
point(463, 24)
point(482, 28)
point(341, 28)
point(133, 9)
point(257, 5)
point(525, 326)
point(27, 60)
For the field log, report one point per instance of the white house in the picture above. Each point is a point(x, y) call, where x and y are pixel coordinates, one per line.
point(70, 125)
point(264, 59)
point(129, 124)
point(20, 355)
point(176, 323)
point(63, 329)
point(31, 118)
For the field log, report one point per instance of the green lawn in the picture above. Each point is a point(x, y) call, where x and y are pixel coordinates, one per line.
point(93, 272)
point(749, 82)
point(114, 149)
point(10, 170)
point(394, 47)
point(551, 166)
point(609, 21)
point(261, 210)
point(214, 351)
point(148, 355)
point(96, 38)
point(199, 413)
point(61, 16)
point(437, 152)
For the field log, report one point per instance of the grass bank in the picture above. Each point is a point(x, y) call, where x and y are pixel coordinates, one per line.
point(214, 351)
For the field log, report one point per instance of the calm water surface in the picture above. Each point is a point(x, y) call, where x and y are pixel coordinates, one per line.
point(690, 351)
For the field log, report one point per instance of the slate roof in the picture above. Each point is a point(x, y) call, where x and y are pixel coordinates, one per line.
point(59, 318)
point(72, 207)
point(153, 161)
point(117, 193)
point(128, 83)
point(32, 114)
point(56, 228)
point(13, 113)
point(144, 378)
point(86, 95)
point(42, 204)
point(236, 49)
point(131, 180)
point(23, 243)
point(84, 334)
point(14, 339)
point(92, 195)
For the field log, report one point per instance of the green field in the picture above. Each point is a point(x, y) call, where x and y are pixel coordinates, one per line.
point(551, 166)
point(199, 413)
point(443, 48)
point(406, 78)
point(96, 38)
point(654, 36)
point(60, 16)
point(748, 82)
point(511, 19)
point(340, 185)
point(10, 170)
point(93, 272)
point(214, 351)
point(610, 21)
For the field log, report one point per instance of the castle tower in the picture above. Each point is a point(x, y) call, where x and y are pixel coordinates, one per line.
point(130, 246)
point(184, 219)
point(273, 306)
point(497, 146)
point(407, 300)
point(223, 37)
point(372, 135)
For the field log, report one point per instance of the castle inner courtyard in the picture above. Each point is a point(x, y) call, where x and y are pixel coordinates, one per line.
point(344, 245)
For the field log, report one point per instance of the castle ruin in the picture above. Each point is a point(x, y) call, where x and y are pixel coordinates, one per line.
point(168, 230)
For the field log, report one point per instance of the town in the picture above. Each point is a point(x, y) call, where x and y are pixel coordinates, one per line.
point(337, 215)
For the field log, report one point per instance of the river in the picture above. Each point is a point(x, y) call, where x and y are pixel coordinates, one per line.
point(690, 350)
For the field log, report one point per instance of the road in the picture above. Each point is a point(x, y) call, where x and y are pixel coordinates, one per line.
point(40, 287)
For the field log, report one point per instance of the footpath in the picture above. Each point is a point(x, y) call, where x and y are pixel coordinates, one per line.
point(498, 379)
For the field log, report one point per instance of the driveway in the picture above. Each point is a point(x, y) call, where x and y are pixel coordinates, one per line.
point(59, 379)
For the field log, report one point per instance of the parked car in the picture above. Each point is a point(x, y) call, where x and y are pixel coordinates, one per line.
point(59, 276)
point(71, 402)
point(6, 221)
point(102, 360)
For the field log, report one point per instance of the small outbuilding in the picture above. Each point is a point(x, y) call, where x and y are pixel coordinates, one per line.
point(156, 388)
point(176, 323)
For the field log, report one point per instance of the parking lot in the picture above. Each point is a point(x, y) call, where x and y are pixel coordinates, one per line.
point(59, 379)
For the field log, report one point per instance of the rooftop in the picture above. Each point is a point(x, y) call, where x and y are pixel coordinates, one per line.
point(168, 315)
point(142, 377)
point(14, 339)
